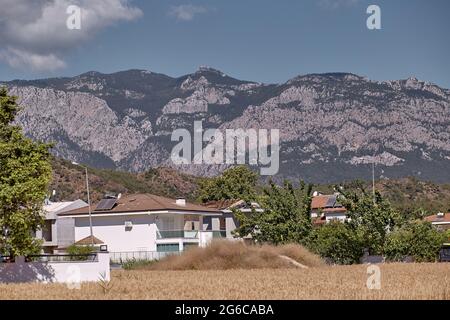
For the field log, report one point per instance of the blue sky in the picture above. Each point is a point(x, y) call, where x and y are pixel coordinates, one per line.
point(260, 40)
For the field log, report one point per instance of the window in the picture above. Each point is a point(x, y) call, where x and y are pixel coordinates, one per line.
point(222, 223)
point(187, 246)
point(167, 247)
point(47, 230)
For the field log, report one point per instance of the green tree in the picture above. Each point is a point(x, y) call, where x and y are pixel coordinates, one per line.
point(286, 215)
point(337, 242)
point(418, 239)
point(371, 216)
point(25, 172)
point(235, 183)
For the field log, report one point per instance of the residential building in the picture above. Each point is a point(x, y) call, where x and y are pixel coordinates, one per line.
point(228, 221)
point(326, 208)
point(49, 233)
point(440, 220)
point(144, 223)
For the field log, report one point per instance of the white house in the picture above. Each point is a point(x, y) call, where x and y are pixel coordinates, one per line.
point(228, 221)
point(326, 208)
point(440, 220)
point(49, 233)
point(144, 223)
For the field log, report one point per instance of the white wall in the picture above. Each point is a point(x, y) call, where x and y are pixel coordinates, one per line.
point(61, 272)
point(335, 216)
point(230, 224)
point(111, 230)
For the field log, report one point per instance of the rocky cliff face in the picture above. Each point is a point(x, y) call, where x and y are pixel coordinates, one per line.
point(332, 126)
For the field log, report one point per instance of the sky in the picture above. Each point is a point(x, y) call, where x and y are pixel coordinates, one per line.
point(258, 40)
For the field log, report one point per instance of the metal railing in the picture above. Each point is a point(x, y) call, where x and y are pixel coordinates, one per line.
point(188, 234)
point(168, 234)
point(61, 257)
point(219, 234)
point(121, 257)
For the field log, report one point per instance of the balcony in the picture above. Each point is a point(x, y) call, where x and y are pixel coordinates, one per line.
point(170, 234)
point(188, 234)
point(219, 234)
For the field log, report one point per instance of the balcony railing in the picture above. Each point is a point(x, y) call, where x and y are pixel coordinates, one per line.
point(219, 234)
point(121, 257)
point(168, 234)
point(61, 257)
point(188, 234)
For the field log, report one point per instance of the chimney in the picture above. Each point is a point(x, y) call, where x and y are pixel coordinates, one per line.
point(440, 215)
point(180, 202)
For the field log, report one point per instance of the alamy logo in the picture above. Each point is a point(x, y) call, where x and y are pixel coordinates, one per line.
point(374, 277)
point(73, 22)
point(231, 148)
point(374, 20)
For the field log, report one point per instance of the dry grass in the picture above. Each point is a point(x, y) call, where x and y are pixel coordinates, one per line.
point(223, 255)
point(398, 281)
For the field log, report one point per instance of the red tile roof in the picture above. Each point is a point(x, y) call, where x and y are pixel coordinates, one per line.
point(142, 202)
point(435, 218)
point(87, 241)
point(319, 202)
point(221, 204)
point(334, 210)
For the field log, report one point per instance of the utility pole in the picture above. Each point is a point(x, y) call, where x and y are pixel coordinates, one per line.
point(88, 199)
point(373, 181)
point(89, 204)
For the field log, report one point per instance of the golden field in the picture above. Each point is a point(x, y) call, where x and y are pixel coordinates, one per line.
point(398, 281)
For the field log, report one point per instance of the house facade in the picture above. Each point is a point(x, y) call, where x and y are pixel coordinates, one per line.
point(326, 208)
point(145, 223)
point(228, 221)
point(49, 233)
point(440, 220)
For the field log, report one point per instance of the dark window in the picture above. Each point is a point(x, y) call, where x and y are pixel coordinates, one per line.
point(168, 247)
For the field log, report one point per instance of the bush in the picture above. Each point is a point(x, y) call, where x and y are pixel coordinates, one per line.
point(417, 239)
point(79, 250)
point(136, 264)
point(226, 255)
point(337, 242)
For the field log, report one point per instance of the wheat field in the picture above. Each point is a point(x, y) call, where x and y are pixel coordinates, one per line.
point(398, 281)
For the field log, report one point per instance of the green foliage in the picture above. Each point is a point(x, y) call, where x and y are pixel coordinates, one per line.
point(418, 239)
point(136, 264)
point(371, 216)
point(447, 236)
point(79, 250)
point(337, 242)
point(235, 183)
point(24, 178)
point(286, 216)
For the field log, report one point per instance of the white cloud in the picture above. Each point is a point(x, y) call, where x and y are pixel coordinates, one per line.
point(37, 62)
point(35, 33)
point(186, 12)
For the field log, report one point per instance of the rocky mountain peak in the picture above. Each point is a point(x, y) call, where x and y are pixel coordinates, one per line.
point(206, 69)
point(332, 125)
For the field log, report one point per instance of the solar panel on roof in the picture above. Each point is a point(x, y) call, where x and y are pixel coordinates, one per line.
point(105, 204)
point(331, 202)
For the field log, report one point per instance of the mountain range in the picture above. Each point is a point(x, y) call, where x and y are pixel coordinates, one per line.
point(333, 126)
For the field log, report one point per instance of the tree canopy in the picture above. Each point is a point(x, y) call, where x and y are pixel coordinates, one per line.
point(25, 173)
point(372, 216)
point(286, 215)
point(235, 183)
point(416, 239)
